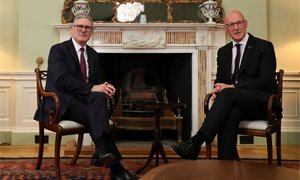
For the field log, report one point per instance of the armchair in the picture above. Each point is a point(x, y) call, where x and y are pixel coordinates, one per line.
point(264, 127)
point(59, 127)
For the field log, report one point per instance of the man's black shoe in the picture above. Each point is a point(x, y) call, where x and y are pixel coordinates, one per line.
point(102, 158)
point(186, 150)
point(123, 175)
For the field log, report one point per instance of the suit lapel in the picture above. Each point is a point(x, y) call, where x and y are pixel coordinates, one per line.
point(72, 51)
point(89, 55)
point(229, 63)
point(248, 50)
point(91, 63)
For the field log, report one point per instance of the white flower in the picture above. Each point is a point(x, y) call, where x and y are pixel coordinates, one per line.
point(129, 11)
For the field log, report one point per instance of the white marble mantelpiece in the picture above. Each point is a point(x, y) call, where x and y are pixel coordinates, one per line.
point(201, 40)
point(173, 34)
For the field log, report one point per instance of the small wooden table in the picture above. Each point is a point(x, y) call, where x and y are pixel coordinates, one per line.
point(217, 169)
point(157, 147)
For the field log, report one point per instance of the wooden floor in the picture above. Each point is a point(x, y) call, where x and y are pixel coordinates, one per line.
point(289, 152)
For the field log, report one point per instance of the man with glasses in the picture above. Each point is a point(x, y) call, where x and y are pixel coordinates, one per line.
point(245, 79)
point(73, 73)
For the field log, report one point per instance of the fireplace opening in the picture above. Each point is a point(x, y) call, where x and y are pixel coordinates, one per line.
point(174, 71)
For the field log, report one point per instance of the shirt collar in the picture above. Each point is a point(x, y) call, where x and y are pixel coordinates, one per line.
point(77, 46)
point(243, 41)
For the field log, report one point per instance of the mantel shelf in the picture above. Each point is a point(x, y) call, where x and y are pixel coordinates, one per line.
point(97, 25)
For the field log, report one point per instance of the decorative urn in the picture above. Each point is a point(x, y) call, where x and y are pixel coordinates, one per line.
point(80, 7)
point(210, 10)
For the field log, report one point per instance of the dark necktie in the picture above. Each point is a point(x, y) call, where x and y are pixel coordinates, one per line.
point(82, 65)
point(236, 64)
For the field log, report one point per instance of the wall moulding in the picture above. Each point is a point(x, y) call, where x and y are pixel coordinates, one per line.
point(157, 11)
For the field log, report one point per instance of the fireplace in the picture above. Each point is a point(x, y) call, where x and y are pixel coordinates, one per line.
point(172, 70)
point(182, 54)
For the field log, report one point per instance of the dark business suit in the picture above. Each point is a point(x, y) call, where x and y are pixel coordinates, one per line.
point(247, 100)
point(78, 103)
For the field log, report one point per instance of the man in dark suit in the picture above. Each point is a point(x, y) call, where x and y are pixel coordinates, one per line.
point(73, 73)
point(241, 89)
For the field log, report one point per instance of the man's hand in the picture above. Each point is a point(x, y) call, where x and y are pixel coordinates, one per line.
point(218, 87)
point(106, 88)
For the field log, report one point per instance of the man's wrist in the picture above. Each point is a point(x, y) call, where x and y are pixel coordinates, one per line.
point(93, 88)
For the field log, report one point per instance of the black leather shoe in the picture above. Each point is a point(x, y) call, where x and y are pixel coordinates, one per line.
point(102, 158)
point(186, 150)
point(123, 175)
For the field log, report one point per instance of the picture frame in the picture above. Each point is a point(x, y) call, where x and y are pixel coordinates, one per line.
point(157, 11)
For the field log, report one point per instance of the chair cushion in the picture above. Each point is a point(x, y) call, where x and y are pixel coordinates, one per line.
point(254, 124)
point(111, 123)
point(68, 124)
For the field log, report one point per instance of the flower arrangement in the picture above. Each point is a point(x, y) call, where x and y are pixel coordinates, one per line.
point(127, 12)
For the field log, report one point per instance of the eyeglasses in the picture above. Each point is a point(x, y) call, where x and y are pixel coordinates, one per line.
point(80, 27)
point(232, 25)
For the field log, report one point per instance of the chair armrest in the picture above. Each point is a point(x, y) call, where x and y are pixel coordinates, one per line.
point(111, 105)
point(274, 108)
point(206, 102)
point(53, 113)
point(119, 107)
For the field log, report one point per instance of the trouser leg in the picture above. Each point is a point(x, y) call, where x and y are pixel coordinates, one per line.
point(227, 99)
point(99, 123)
point(110, 146)
point(98, 115)
point(92, 112)
point(227, 136)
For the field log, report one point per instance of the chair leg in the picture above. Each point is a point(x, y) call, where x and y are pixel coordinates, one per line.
point(41, 147)
point(78, 149)
point(278, 147)
point(57, 154)
point(270, 148)
point(208, 150)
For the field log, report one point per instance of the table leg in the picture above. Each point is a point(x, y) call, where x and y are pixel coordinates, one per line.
point(157, 146)
point(150, 157)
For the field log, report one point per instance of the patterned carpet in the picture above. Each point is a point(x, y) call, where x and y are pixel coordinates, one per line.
point(25, 168)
